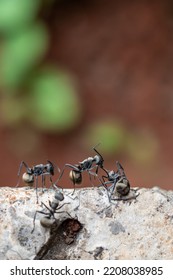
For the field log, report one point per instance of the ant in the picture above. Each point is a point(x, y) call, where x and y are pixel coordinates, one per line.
point(49, 215)
point(119, 183)
point(85, 165)
point(37, 170)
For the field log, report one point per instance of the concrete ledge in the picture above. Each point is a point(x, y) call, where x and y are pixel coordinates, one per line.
point(140, 228)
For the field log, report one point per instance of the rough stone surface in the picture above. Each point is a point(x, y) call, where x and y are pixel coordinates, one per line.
point(141, 228)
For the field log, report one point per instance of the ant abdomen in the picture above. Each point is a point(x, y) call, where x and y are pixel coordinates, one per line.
point(28, 179)
point(75, 177)
point(123, 186)
point(47, 222)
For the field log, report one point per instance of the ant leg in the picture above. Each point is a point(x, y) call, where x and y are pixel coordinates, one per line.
point(101, 159)
point(126, 198)
point(120, 169)
point(92, 173)
point(77, 207)
point(43, 204)
point(103, 184)
point(107, 173)
point(60, 176)
point(50, 178)
point(20, 167)
point(62, 205)
point(41, 212)
point(110, 190)
point(34, 222)
point(50, 204)
point(73, 189)
point(66, 165)
point(43, 182)
point(97, 169)
point(19, 171)
point(44, 179)
point(56, 187)
point(94, 148)
point(60, 212)
point(54, 165)
point(36, 187)
point(95, 174)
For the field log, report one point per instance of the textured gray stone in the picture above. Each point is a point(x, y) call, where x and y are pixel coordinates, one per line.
point(133, 229)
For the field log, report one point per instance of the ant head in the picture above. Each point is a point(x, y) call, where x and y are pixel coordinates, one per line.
point(98, 160)
point(59, 196)
point(111, 173)
point(50, 167)
point(75, 177)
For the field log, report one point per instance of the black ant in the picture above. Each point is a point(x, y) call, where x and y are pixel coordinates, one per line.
point(86, 165)
point(37, 170)
point(118, 182)
point(49, 215)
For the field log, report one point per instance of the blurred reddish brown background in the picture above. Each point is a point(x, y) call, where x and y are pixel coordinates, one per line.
point(121, 56)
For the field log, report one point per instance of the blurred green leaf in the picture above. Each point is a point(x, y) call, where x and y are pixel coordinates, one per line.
point(141, 146)
point(15, 14)
point(20, 53)
point(55, 105)
point(109, 134)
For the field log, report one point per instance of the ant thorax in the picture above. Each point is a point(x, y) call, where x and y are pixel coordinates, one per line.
point(49, 168)
point(38, 169)
point(54, 204)
point(86, 163)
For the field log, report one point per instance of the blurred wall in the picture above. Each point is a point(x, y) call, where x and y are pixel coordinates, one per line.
point(120, 54)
